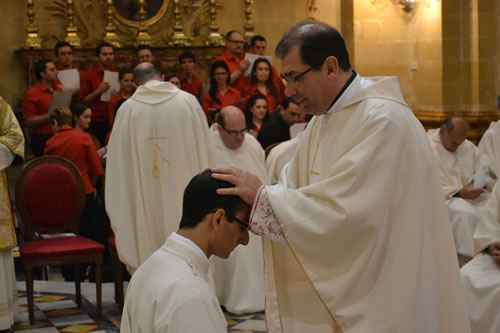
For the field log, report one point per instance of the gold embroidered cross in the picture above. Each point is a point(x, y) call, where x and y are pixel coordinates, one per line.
point(157, 152)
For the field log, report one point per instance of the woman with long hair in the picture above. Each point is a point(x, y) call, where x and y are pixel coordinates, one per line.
point(256, 114)
point(262, 83)
point(220, 93)
point(82, 117)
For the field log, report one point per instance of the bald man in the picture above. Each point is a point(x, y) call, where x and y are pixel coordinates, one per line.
point(239, 280)
point(458, 160)
point(160, 140)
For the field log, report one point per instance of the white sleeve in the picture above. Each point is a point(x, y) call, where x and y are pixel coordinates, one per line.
point(6, 156)
point(262, 219)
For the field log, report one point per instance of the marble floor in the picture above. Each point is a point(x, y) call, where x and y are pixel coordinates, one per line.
point(56, 311)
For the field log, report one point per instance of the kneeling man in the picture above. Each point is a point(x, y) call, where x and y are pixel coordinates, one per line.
point(170, 291)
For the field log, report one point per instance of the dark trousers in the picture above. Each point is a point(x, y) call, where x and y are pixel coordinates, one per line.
point(100, 130)
point(37, 144)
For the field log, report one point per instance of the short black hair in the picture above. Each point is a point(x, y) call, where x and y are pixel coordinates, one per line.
point(59, 45)
point(286, 102)
point(143, 47)
point(316, 42)
point(40, 67)
point(257, 38)
point(187, 55)
point(100, 46)
point(201, 199)
point(77, 110)
point(123, 72)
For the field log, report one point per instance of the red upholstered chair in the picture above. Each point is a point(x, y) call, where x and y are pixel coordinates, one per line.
point(50, 196)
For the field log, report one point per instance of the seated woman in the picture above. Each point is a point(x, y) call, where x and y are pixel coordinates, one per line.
point(262, 83)
point(127, 88)
point(82, 116)
point(256, 114)
point(77, 147)
point(175, 80)
point(220, 93)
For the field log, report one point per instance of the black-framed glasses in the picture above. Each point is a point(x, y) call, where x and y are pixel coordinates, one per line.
point(231, 219)
point(235, 133)
point(292, 80)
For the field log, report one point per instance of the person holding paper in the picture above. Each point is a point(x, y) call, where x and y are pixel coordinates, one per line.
point(235, 60)
point(36, 105)
point(458, 160)
point(262, 83)
point(94, 85)
point(127, 88)
point(67, 74)
point(356, 232)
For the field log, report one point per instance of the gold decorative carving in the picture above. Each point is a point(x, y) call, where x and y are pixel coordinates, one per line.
point(178, 36)
point(32, 40)
point(110, 36)
point(143, 37)
point(147, 22)
point(249, 25)
point(214, 37)
point(311, 9)
point(71, 30)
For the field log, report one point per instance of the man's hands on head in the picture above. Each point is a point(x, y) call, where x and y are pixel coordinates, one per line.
point(467, 192)
point(495, 252)
point(246, 184)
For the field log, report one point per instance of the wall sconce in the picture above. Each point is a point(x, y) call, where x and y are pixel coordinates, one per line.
point(408, 5)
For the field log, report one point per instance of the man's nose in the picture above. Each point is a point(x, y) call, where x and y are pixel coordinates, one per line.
point(245, 238)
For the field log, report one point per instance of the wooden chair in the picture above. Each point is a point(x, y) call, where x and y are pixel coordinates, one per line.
point(118, 270)
point(50, 196)
point(269, 148)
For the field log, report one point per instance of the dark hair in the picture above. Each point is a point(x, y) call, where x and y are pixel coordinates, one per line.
point(213, 84)
point(143, 47)
point(170, 76)
point(286, 102)
point(248, 110)
point(123, 72)
point(59, 45)
point(270, 80)
point(229, 33)
point(187, 55)
point(256, 38)
point(77, 110)
point(201, 199)
point(118, 104)
point(100, 46)
point(41, 66)
point(447, 126)
point(316, 42)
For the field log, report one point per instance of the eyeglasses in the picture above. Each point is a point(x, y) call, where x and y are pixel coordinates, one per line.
point(288, 79)
point(235, 133)
point(243, 225)
point(236, 41)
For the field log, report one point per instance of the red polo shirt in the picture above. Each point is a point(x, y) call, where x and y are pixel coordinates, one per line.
point(111, 108)
point(78, 148)
point(271, 102)
point(194, 88)
point(37, 102)
point(90, 82)
point(278, 83)
point(231, 97)
point(243, 82)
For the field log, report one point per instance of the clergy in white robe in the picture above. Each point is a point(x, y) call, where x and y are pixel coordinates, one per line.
point(362, 243)
point(171, 290)
point(481, 275)
point(490, 146)
point(457, 163)
point(160, 139)
point(11, 147)
point(279, 156)
point(239, 280)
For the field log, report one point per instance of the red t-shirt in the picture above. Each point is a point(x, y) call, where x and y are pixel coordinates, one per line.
point(111, 108)
point(271, 102)
point(194, 88)
point(37, 102)
point(231, 97)
point(232, 63)
point(89, 83)
point(78, 148)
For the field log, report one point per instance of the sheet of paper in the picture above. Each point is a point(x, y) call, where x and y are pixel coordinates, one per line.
point(114, 85)
point(70, 78)
point(295, 129)
point(480, 179)
point(252, 57)
point(60, 99)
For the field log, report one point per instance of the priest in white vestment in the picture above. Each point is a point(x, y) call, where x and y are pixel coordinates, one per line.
point(239, 280)
point(279, 156)
point(171, 290)
point(361, 239)
point(458, 160)
point(160, 139)
point(11, 147)
point(481, 275)
point(490, 146)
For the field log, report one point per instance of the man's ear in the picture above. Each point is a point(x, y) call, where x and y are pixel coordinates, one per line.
point(217, 218)
point(332, 65)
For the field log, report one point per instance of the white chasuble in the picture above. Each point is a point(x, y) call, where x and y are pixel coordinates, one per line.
point(456, 170)
point(171, 293)
point(160, 140)
point(490, 146)
point(239, 279)
point(279, 156)
point(368, 243)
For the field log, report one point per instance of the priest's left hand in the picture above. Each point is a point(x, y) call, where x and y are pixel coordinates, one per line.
point(494, 250)
point(246, 184)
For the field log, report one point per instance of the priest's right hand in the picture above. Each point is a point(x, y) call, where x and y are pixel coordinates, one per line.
point(468, 193)
point(494, 250)
point(246, 184)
